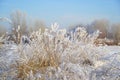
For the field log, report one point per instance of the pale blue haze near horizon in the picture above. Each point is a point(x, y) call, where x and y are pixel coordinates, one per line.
point(64, 12)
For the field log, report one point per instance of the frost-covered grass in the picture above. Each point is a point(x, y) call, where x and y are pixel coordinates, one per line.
point(55, 55)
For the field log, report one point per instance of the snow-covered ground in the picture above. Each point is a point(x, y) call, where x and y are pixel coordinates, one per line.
point(106, 68)
point(8, 56)
point(109, 68)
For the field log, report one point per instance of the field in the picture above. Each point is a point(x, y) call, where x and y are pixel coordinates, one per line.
point(58, 55)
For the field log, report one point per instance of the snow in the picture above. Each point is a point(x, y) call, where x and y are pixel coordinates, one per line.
point(8, 56)
point(109, 59)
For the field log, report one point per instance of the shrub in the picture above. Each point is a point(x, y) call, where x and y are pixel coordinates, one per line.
point(101, 25)
point(51, 55)
point(116, 32)
point(3, 30)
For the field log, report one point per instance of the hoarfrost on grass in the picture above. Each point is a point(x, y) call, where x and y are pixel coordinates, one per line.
point(55, 55)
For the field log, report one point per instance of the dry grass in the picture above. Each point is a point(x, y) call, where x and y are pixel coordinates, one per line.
point(44, 52)
point(38, 62)
point(52, 56)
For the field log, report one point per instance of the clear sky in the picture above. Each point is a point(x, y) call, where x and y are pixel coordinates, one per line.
point(65, 12)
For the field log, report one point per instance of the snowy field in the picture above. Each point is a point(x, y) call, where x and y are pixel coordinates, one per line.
point(106, 68)
point(52, 56)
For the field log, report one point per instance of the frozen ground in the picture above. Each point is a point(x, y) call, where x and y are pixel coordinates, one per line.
point(109, 68)
point(8, 56)
point(106, 68)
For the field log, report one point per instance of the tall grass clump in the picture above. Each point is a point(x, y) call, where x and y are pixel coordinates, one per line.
point(54, 55)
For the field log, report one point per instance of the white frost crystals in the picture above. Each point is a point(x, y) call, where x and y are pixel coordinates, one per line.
point(54, 27)
point(57, 54)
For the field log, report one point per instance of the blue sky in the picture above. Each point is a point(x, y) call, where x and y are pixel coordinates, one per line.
point(65, 12)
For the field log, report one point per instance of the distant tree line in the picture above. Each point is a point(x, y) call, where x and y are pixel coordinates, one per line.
point(110, 31)
point(20, 20)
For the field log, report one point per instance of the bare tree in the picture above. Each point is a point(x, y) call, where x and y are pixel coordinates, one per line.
point(19, 18)
point(36, 25)
point(116, 32)
point(19, 24)
point(101, 25)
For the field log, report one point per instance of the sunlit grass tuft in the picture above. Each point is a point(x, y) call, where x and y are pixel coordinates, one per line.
point(36, 63)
